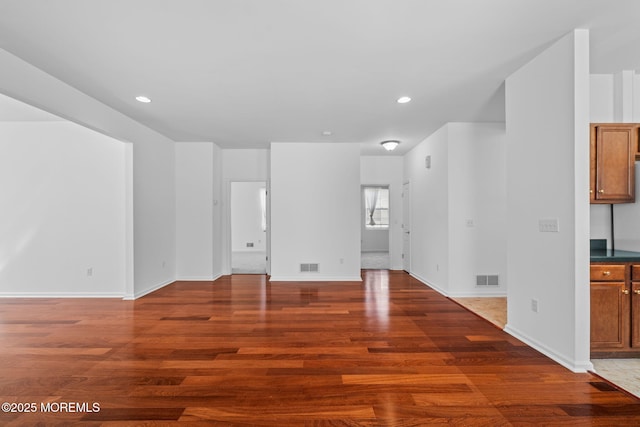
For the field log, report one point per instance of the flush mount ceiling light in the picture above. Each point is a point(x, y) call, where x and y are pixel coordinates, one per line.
point(327, 133)
point(390, 144)
point(143, 99)
point(403, 100)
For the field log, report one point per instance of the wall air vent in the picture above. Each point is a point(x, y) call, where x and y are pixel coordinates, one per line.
point(309, 268)
point(487, 280)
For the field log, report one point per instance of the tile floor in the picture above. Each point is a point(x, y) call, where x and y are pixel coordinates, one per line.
point(624, 373)
point(374, 260)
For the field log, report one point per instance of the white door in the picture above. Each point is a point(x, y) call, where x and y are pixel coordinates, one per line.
point(406, 228)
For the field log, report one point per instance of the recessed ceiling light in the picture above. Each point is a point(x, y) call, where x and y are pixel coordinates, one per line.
point(403, 100)
point(327, 133)
point(144, 99)
point(390, 145)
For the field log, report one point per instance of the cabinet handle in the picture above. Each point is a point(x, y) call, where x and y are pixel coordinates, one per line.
point(625, 291)
point(590, 191)
point(606, 273)
point(600, 191)
point(637, 292)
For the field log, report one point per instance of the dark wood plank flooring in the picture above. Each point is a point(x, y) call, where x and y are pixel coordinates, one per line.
point(243, 351)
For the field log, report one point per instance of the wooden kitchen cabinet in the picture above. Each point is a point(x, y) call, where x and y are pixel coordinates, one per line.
point(635, 306)
point(615, 310)
point(610, 315)
point(613, 150)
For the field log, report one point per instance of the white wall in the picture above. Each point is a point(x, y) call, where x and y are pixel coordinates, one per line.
point(608, 106)
point(305, 176)
point(547, 112)
point(238, 165)
point(458, 206)
point(153, 165)
point(196, 207)
point(64, 208)
point(246, 219)
point(430, 209)
point(386, 170)
point(477, 207)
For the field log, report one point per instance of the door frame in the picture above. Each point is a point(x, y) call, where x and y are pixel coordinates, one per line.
point(229, 238)
point(406, 223)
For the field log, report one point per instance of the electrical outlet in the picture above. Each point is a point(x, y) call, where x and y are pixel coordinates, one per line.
point(90, 271)
point(534, 305)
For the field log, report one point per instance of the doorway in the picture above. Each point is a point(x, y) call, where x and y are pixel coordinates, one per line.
point(248, 227)
point(406, 227)
point(375, 227)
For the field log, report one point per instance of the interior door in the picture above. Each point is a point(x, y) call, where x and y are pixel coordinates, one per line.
point(406, 228)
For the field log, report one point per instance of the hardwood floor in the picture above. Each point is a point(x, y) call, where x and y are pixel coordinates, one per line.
point(243, 351)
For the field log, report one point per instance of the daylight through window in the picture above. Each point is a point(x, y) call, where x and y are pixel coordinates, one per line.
point(376, 202)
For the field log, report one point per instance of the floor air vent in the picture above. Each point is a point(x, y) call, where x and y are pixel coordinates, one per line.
point(308, 268)
point(487, 280)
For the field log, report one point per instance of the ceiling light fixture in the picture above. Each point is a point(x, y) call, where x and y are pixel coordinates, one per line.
point(403, 100)
point(327, 133)
point(390, 144)
point(143, 99)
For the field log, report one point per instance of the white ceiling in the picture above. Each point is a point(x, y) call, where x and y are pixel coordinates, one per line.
point(243, 73)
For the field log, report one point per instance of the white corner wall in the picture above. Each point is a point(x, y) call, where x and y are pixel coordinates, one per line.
point(154, 209)
point(547, 112)
point(196, 209)
point(387, 170)
point(429, 201)
point(315, 210)
point(458, 206)
point(64, 211)
point(477, 207)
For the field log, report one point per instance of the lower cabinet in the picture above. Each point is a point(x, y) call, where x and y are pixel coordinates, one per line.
point(615, 310)
point(635, 307)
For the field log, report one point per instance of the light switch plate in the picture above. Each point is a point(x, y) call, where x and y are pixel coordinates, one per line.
point(548, 225)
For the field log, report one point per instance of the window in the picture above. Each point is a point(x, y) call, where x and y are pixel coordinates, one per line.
point(263, 208)
point(376, 203)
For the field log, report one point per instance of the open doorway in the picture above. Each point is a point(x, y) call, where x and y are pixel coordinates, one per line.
point(248, 228)
point(375, 227)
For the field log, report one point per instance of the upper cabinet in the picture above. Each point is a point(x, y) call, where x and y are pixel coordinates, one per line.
point(613, 150)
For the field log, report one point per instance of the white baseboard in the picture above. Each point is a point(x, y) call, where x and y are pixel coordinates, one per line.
point(198, 278)
point(315, 278)
point(474, 294)
point(572, 365)
point(429, 284)
point(147, 291)
point(60, 295)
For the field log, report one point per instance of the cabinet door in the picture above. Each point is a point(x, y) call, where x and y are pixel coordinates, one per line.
point(613, 158)
point(635, 315)
point(610, 318)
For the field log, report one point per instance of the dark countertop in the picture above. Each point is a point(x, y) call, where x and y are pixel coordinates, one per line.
point(599, 255)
